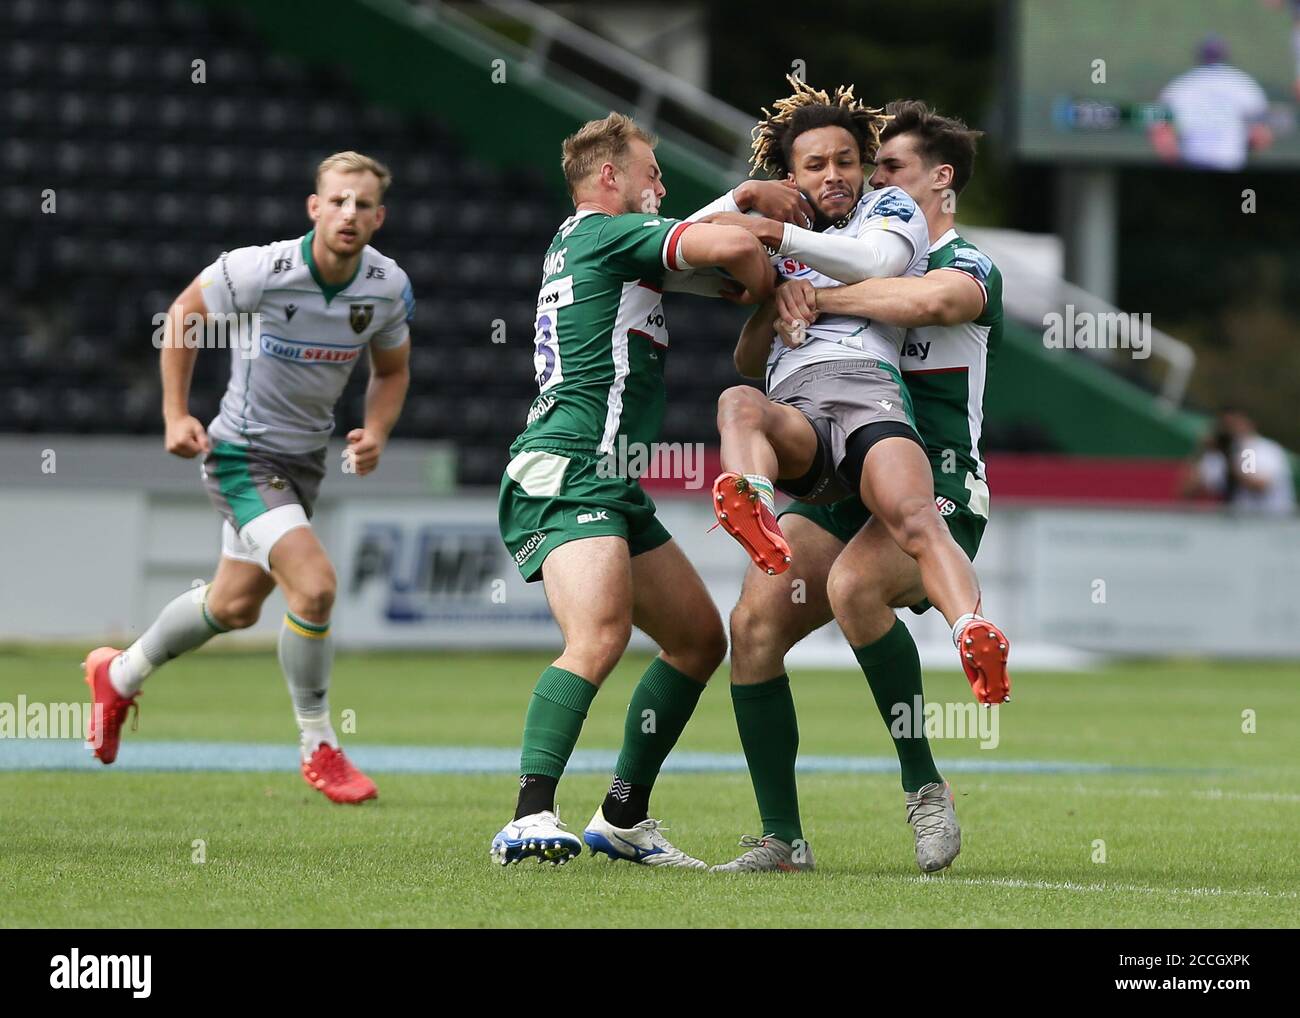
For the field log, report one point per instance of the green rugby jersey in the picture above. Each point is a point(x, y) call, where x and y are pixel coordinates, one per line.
point(945, 367)
point(599, 339)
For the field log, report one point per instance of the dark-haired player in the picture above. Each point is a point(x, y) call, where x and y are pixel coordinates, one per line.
point(851, 567)
point(837, 419)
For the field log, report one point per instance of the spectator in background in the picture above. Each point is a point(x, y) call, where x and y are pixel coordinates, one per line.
point(1237, 465)
point(1218, 113)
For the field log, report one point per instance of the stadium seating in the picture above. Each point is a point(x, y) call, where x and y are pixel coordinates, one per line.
point(154, 182)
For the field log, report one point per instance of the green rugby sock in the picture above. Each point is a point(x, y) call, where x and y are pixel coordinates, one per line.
point(555, 715)
point(893, 670)
point(769, 733)
point(662, 703)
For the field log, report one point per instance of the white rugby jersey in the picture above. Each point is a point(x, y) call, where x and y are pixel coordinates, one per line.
point(846, 337)
point(312, 334)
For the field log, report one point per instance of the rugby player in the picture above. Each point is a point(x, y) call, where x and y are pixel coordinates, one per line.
point(324, 299)
point(590, 533)
point(850, 565)
point(837, 419)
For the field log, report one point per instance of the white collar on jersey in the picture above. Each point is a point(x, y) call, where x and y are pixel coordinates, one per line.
point(947, 238)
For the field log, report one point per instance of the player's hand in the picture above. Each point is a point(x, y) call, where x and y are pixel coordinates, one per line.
point(768, 231)
point(186, 437)
point(793, 333)
point(363, 451)
point(776, 199)
point(796, 301)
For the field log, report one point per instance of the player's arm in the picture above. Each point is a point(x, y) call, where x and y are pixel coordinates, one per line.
point(940, 297)
point(872, 254)
point(390, 376)
point(731, 248)
point(779, 200)
point(185, 435)
point(755, 341)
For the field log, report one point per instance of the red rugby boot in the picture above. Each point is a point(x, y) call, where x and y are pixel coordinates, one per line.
point(983, 651)
point(746, 517)
point(108, 708)
point(330, 771)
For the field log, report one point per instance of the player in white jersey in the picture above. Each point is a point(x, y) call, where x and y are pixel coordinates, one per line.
point(308, 309)
point(837, 419)
point(847, 563)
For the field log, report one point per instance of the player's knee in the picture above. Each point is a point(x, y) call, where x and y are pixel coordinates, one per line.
point(851, 586)
point(238, 612)
point(313, 598)
point(756, 633)
point(600, 646)
point(704, 647)
point(740, 406)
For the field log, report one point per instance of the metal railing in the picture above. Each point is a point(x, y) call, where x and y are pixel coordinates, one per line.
point(721, 133)
point(1030, 293)
point(661, 103)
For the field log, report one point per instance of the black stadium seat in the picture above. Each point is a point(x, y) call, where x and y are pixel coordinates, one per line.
point(155, 177)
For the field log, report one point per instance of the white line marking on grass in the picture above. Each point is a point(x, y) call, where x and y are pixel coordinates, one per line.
point(1073, 888)
point(1209, 794)
point(153, 755)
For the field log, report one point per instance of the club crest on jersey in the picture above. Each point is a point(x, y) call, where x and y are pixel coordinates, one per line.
point(360, 315)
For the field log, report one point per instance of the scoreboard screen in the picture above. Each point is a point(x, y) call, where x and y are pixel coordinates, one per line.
point(1198, 84)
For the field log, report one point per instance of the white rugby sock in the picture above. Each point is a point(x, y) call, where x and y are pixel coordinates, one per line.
point(315, 730)
point(183, 624)
point(764, 489)
point(961, 624)
point(306, 658)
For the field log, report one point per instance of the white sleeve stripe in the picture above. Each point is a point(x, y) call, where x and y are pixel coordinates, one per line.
point(672, 253)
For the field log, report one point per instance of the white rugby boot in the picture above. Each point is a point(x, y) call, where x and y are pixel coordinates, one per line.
point(770, 853)
point(932, 816)
point(540, 835)
point(643, 843)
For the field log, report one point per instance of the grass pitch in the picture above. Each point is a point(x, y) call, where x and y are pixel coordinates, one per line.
point(1195, 822)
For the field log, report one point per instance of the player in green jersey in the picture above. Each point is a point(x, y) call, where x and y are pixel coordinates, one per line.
point(850, 567)
point(589, 532)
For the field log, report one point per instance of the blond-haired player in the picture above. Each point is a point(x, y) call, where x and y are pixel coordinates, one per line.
point(324, 299)
point(590, 534)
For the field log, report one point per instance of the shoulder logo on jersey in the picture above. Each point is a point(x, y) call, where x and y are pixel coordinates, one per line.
point(282, 264)
point(289, 311)
point(977, 263)
point(897, 203)
point(359, 315)
point(375, 272)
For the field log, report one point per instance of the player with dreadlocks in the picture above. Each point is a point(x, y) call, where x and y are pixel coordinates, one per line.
point(837, 419)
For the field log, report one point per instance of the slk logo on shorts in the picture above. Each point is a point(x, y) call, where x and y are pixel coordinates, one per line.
point(946, 506)
point(595, 517)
